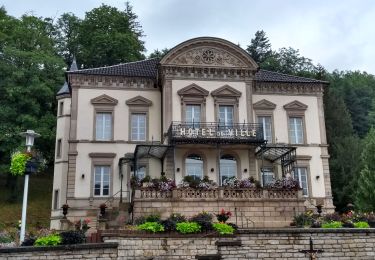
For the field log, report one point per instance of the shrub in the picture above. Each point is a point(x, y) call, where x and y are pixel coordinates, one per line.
point(332, 224)
point(29, 241)
point(204, 219)
point(332, 217)
point(153, 218)
point(51, 240)
point(361, 224)
point(140, 220)
point(170, 223)
point(304, 219)
point(153, 227)
point(188, 227)
point(223, 215)
point(72, 237)
point(5, 238)
point(223, 229)
point(286, 183)
point(234, 226)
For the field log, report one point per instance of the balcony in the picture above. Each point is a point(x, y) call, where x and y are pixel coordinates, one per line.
point(215, 133)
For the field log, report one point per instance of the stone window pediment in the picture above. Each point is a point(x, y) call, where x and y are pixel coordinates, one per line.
point(193, 90)
point(264, 105)
point(295, 105)
point(139, 101)
point(226, 91)
point(104, 100)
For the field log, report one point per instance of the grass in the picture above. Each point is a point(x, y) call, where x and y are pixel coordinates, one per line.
point(38, 207)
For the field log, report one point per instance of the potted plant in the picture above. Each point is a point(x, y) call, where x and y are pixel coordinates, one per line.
point(223, 216)
point(65, 208)
point(102, 208)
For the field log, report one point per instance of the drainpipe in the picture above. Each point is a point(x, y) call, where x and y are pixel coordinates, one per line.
point(121, 176)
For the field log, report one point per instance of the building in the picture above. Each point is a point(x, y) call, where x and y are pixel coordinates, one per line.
point(204, 109)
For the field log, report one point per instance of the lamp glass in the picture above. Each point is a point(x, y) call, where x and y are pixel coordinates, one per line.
point(29, 140)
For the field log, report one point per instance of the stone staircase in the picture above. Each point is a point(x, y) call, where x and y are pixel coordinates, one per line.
point(116, 217)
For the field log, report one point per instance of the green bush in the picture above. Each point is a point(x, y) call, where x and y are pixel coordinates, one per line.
point(361, 224)
point(188, 227)
point(154, 227)
point(153, 218)
point(72, 237)
point(51, 240)
point(223, 229)
point(332, 224)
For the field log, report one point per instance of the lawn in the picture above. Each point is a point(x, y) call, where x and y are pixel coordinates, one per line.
point(39, 202)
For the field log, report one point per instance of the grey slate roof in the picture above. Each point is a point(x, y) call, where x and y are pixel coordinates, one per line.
point(148, 69)
point(63, 90)
point(144, 69)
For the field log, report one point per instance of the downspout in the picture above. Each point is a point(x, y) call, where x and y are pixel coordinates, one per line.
point(121, 176)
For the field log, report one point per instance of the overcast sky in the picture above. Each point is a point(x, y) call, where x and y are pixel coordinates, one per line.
point(339, 34)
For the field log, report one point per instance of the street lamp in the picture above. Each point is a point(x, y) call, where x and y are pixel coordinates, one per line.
point(30, 136)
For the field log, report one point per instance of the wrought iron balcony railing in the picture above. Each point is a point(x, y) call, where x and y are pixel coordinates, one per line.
point(213, 133)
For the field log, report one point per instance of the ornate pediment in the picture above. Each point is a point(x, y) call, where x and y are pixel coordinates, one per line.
point(193, 90)
point(226, 91)
point(209, 56)
point(104, 100)
point(139, 101)
point(264, 104)
point(295, 105)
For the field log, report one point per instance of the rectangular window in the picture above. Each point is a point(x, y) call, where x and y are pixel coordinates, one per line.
point(101, 180)
point(300, 174)
point(266, 122)
point(61, 108)
point(58, 148)
point(296, 130)
point(138, 127)
point(193, 115)
point(56, 199)
point(267, 176)
point(226, 116)
point(103, 126)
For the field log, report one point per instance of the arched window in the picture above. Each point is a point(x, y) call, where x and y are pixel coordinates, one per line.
point(194, 166)
point(228, 167)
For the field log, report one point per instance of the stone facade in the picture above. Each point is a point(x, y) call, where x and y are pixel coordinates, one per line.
point(250, 208)
point(107, 251)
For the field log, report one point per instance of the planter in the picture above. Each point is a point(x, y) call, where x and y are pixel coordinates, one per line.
point(371, 223)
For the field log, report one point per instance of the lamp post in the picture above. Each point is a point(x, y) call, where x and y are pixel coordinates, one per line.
point(30, 136)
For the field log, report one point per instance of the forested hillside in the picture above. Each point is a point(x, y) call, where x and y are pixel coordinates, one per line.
point(35, 52)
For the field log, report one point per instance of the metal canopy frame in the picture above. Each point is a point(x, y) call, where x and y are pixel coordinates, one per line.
point(157, 151)
point(285, 153)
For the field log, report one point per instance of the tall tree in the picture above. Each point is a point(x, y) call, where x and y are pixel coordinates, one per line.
point(109, 36)
point(365, 193)
point(158, 54)
point(30, 71)
point(260, 47)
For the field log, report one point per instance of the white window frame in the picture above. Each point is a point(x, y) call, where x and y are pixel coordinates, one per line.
point(195, 114)
point(196, 167)
point(298, 174)
point(137, 136)
point(267, 171)
point(234, 166)
point(262, 120)
point(293, 129)
point(226, 117)
point(103, 131)
point(102, 174)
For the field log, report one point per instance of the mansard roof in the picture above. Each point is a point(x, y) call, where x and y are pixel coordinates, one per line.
point(142, 69)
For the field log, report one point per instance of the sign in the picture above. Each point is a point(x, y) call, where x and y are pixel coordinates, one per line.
point(216, 132)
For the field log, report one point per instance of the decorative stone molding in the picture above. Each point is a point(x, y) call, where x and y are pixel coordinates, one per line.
point(264, 105)
point(209, 51)
point(104, 100)
point(288, 88)
point(193, 90)
point(121, 82)
point(226, 91)
point(102, 155)
point(139, 101)
point(295, 105)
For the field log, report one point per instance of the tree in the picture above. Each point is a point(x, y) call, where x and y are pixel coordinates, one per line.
point(260, 47)
point(109, 36)
point(67, 30)
point(158, 54)
point(365, 193)
point(30, 71)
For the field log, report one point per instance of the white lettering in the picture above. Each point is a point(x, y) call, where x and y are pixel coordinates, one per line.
point(182, 131)
point(203, 132)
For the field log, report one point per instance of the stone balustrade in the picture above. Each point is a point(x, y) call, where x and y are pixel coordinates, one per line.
point(219, 193)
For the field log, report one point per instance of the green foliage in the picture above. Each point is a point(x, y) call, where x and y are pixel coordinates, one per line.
point(72, 237)
point(365, 192)
point(204, 219)
point(18, 163)
point(304, 219)
point(153, 227)
point(153, 218)
point(51, 240)
point(223, 229)
point(188, 227)
point(260, 47)
point(5, 238)
point(158, 54)
point(361, 224)
point(333, 224)
point(109, 36)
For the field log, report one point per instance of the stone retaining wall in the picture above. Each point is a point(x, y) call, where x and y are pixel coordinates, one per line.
point(100, 251)
point(250, 208)
point(343, 244)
